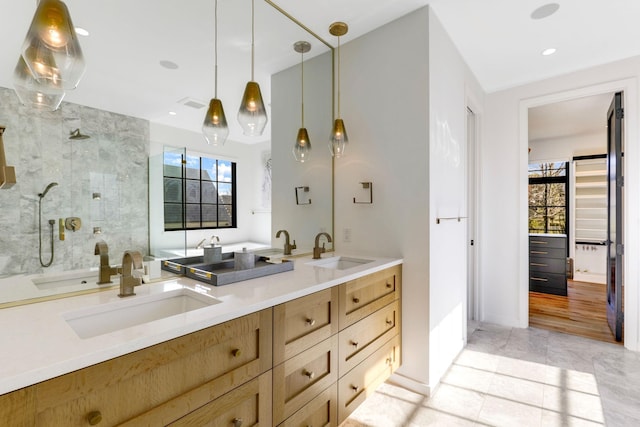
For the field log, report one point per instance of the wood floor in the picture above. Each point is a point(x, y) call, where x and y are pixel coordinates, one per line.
point(583, 312)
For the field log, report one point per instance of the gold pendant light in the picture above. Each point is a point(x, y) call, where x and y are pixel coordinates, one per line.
point(338, 139)
point(302, 148)
point(36, 93)
point(252, 115)
point(215, 126)
point(51, 49)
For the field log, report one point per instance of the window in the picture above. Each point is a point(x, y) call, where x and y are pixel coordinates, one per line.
point(548, 197)
point(199, 192)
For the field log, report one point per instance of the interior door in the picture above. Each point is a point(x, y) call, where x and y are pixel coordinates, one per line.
point(472, 301)
point(614, 218)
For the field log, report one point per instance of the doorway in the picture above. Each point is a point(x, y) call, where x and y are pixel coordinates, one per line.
point(568, 210)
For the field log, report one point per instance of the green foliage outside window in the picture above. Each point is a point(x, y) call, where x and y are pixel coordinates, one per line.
point(548, 198)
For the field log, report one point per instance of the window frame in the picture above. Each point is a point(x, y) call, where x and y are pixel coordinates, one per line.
point(184, 203)
point(545, 180)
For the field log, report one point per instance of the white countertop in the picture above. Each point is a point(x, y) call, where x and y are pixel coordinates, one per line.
point(39, 344)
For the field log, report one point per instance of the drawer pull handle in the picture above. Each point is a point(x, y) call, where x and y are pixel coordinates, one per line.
point(356, 300)
point(354, 343)
point(389, 322)
point(540, 279)
point(355, 388)
point(237, 422)
point(94, 418)
point(311, 322)
point(540, 242)
point(236, 352)
point(310, 374)
point(388, 361)
point(539, 252)
point(537, 264)
point(389, 285)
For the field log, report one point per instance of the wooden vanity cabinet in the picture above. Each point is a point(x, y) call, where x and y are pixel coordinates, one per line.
point(308, 362)
point(162, 383)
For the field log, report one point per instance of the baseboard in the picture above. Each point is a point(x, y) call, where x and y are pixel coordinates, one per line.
point(411, 384)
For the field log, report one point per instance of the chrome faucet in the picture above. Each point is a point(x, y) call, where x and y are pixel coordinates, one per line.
point(106, 271)
point(287, 246)
point(216, 238)
point(132, 272)
point(201, 244)
point(317, 250)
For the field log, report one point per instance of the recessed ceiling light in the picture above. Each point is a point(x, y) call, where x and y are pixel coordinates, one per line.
point(545, 11)
point(169, 65)
point(172, 113)
point(549, 51)
point(81, 31)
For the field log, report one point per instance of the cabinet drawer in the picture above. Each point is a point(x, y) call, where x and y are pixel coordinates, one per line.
point(547, 242)
point(355, 386)
point(247, 405)
point(320, 412)
point(548, 282)
point(363, 296)
point(160, 384)
point(301, 378)
point(361, 339)
point(304, 322)
point(542, 252)
point(547, 265)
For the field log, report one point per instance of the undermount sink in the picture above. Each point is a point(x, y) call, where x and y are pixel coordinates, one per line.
point(339, 262)
point(67, 279)
point(101, 319)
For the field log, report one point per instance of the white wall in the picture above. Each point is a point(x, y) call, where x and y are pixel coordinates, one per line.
point(451, 86)
point(503, 216)
point(416, 160)
point(564, 149)
point(254, 221)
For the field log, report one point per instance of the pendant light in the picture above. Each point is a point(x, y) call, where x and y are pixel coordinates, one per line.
point(35, 93)
point(51, 49)
point(252, 115)
point(302, 148)
point(338, 139)
point(215, 126)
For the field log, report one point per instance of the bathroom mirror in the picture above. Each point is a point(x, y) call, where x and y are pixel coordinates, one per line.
point(105, 180)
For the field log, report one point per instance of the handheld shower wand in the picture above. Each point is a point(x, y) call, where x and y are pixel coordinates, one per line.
point(51, 222)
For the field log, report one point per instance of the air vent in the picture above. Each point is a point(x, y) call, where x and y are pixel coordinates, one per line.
point(193, 103)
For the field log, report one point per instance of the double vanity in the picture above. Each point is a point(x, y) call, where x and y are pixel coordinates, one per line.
point(301, 347)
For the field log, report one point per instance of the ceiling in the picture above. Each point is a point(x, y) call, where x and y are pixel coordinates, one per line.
point(497, 38)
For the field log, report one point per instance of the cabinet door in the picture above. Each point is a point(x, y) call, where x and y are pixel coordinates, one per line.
point(18, 408)
point(301, 378)
point(304, 322)
point(159, 384)
point(365, 295)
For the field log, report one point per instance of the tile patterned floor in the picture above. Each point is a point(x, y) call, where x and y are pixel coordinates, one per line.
point(519, 377)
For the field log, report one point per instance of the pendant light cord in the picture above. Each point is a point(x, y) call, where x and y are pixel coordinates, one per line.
point(302, 84)
point(252, 36)
point(216, 51)
point(338, 76)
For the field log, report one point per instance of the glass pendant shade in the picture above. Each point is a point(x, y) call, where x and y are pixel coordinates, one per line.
point(215, 126)
point(302, 148)
point(36, 93)
point(339, 139)
point(51, 49)
point(252, 115)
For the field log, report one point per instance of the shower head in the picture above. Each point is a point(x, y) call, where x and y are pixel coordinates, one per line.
point(75, 134)
point(46, 190)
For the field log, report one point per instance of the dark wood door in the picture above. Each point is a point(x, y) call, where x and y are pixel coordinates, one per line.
point(615, 295)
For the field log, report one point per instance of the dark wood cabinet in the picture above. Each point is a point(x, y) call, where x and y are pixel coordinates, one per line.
point(548, 264)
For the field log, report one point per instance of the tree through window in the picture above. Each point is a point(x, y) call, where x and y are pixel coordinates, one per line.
point(548, 197)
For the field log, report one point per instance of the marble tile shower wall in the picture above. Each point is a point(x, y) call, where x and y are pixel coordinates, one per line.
point(113, 162)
